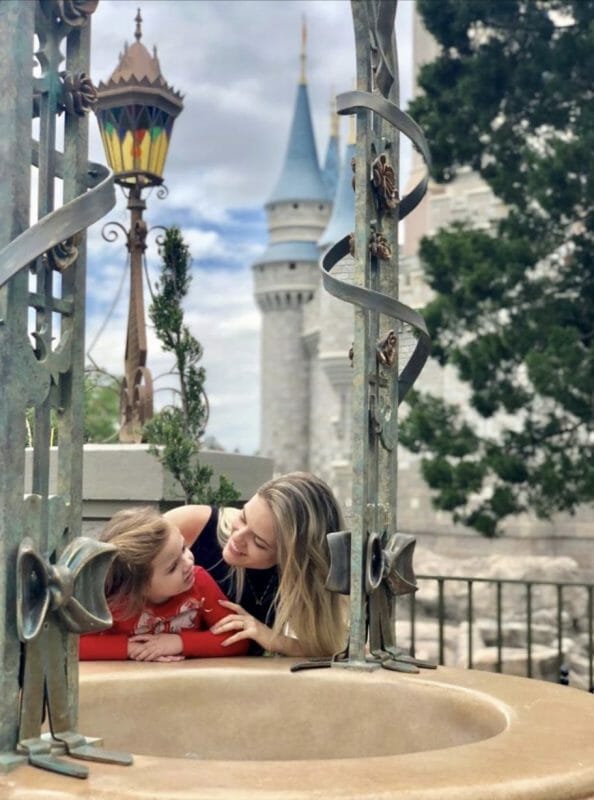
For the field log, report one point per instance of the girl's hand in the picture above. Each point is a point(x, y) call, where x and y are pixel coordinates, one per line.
point(242, 625)
point(155, 647)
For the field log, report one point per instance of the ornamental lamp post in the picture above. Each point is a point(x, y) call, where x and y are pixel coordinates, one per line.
point(136, 110)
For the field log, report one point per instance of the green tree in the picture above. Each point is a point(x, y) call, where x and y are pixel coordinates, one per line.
point(175, 432)
point(102, 407)
point(511, 96)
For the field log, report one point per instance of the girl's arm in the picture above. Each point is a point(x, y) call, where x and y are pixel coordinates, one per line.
point(204, 643)
point(106, 646)
point(191, 520)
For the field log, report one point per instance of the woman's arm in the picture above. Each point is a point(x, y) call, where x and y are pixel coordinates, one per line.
point(191, 520)
point(243, 626)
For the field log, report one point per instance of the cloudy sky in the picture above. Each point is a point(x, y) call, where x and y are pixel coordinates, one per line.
point(237, 64)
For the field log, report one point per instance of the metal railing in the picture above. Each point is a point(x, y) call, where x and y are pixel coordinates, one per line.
point(451, 601)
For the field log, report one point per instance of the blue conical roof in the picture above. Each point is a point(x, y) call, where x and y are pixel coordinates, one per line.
point(331, 166)
point(301, 177)
point(342, 220)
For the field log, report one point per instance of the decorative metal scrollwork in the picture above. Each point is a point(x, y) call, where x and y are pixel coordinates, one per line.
point(51, 599)
point(137, 236)
point(79, 95)
point(74, 13)
point(73, 588)
point(64, 254)
point(387, 573)
point(379, 247)
point(384, 183)
point(387, 349)
point(383, 556)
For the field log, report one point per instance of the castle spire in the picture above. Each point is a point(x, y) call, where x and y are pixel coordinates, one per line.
point(303, 78)
point(331, 164)
point(138, 21)
point(334, 118)
point(301, 177)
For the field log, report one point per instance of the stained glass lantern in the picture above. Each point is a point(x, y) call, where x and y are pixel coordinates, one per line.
point(136, 110)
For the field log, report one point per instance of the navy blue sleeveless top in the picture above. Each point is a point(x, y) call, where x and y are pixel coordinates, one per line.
point(260, 584)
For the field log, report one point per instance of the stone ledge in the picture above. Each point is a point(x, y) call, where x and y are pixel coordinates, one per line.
point(118, 475)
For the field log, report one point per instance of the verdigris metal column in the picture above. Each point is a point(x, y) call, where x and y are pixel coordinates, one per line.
point(51, 578)
point(16, 34)
point(380, 557)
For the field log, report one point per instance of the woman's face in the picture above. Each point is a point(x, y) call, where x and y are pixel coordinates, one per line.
point(252, 543)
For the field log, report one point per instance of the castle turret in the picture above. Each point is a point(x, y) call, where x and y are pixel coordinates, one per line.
point(330, 429)
point(285, 280)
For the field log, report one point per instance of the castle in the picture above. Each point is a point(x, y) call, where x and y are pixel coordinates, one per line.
point(306, 333)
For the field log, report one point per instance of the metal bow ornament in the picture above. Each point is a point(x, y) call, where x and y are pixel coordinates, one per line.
point(388, 573)
point(54, 600)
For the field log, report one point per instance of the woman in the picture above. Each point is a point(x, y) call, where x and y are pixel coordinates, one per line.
point(272, 557)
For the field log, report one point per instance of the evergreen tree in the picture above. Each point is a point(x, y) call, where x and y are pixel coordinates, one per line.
point(511, 96)
point(175, 432)
point(102, 407)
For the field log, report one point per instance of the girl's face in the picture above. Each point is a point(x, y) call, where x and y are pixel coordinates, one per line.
point(173, 569)
point(252, 542)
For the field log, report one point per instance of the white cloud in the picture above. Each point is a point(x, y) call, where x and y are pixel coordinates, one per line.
point(203, 244)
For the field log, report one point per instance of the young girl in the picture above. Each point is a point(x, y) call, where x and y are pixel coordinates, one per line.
point(162, 605)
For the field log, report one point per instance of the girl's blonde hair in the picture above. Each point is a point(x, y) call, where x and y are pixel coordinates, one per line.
point(304, 510)
point(139, 535)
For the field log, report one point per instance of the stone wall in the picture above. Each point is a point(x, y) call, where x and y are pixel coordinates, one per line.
point(118, 476)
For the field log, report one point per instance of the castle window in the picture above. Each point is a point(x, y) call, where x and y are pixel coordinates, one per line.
point(321, 208)
point(292, 265)
point(295, 205)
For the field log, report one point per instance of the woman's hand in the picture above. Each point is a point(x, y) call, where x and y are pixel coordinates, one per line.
point(155, 647)
point(242, 625)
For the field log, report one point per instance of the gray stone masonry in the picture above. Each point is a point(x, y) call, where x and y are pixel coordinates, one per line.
point(120, 476)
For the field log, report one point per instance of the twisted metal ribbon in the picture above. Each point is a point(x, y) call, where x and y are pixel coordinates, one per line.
point(369, 299)
point(62, 224)
point(53, 599)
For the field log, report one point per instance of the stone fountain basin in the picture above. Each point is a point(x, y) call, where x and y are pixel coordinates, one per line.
point(248, 729)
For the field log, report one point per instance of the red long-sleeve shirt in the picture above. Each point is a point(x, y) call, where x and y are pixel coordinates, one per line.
point(189, 614)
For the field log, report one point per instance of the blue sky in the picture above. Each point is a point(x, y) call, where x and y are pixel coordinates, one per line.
point(237, 64)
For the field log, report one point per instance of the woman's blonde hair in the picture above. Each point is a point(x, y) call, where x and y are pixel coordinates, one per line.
point(304, 510)
point(139, 535)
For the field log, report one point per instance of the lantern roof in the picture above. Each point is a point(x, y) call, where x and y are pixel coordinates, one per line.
point(138, 73)
point(136, 110)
